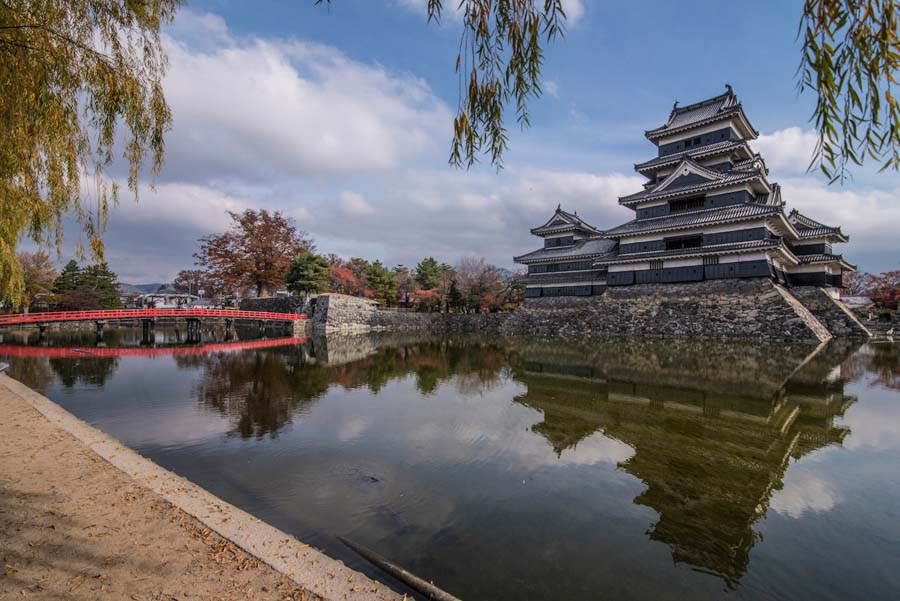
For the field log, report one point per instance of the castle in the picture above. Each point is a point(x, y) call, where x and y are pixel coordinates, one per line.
point(707, 212)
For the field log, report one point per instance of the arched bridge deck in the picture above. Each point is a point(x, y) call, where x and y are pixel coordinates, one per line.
point(133, 314)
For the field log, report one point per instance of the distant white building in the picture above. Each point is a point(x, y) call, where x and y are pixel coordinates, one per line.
point(167, 299)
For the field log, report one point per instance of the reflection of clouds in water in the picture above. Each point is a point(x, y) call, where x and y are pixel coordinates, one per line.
point(462, 428)
point(873, 424)
point(173, 425)
point(350, 428)
point(596, 448)
point(803, 492)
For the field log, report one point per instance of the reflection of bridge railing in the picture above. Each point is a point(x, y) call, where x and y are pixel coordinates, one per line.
point(26, 318)
point(65, 352)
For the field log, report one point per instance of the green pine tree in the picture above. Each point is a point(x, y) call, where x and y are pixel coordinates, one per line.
point(383, 283)
point(105, 283)
point(428, 273)
point(309, 274)
point(455, 296)
point(68, 279)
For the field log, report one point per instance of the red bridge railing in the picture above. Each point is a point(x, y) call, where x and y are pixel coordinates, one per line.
point(25, 318)
point(65, 352)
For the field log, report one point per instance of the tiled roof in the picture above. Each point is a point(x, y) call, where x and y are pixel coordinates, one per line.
point(694, 153)
point(591, 247)
point(699, 111)
point(819, 258)
point(815, 232)
point(733, 177)
point(569, 221)
point(687, 219)
point(825, 258)
point(691, 252)
point(809, 228)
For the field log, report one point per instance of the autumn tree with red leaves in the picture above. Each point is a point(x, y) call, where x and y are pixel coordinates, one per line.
point(884, 289)
point(255, 253)
point(192, 281)
point(344, 281)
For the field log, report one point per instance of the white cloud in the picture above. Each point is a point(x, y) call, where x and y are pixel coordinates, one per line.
point(551, 88)
point(787, 150)
point(803, 492)
point(355, 205)
point(868, 216)
point(449, 214)
point(574, 10)
point(185, 205)
point(259, 108)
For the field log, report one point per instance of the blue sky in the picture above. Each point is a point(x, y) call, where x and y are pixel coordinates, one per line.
point(340, 117)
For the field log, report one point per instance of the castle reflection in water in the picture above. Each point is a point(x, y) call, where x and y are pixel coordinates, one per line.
point(712, 425)
point(711, 437)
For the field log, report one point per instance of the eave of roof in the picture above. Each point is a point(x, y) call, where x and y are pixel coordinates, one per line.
point(822, 232)
point(735, 111)
point(810, 228)
point(718, 249)
point(826, 258)
point(692, 219)
point(695, 153)
point(574, 223)
point(589, 248)
point(731, 179)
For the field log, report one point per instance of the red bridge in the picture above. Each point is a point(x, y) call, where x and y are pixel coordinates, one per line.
point(125, 314)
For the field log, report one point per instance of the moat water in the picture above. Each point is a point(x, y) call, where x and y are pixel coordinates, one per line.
point(526, 469)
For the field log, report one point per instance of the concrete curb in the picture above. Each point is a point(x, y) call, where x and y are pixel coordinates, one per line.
point(309, 568)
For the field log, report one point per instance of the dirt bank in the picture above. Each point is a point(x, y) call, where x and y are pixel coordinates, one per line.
point(83, 518)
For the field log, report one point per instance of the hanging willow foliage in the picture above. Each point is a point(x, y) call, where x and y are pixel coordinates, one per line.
point(851, 55)
point(71, 71)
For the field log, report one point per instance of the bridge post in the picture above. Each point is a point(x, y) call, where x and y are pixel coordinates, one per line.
point(42, 329)
point(99, 325)
point(193, 329)
point(229, 329)
point(262, 328)
point(147, 326)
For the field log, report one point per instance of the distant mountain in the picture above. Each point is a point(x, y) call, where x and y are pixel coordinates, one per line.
point(141, 288)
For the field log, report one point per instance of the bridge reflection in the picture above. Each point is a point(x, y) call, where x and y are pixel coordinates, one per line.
point(80, 352)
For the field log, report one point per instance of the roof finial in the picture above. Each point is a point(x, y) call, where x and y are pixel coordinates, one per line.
point(675, 106)
point(728, 88)
point(559, 207)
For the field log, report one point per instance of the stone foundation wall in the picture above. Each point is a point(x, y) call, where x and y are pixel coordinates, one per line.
point(833, 314)
point(754, 308)
point(348, 314)
point(281, 304)
point(749, 308)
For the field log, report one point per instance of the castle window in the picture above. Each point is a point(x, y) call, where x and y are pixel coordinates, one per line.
point(686, 204)
point(713, 260)
point(684, 242)
point(554, 242)
point(657, 264)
